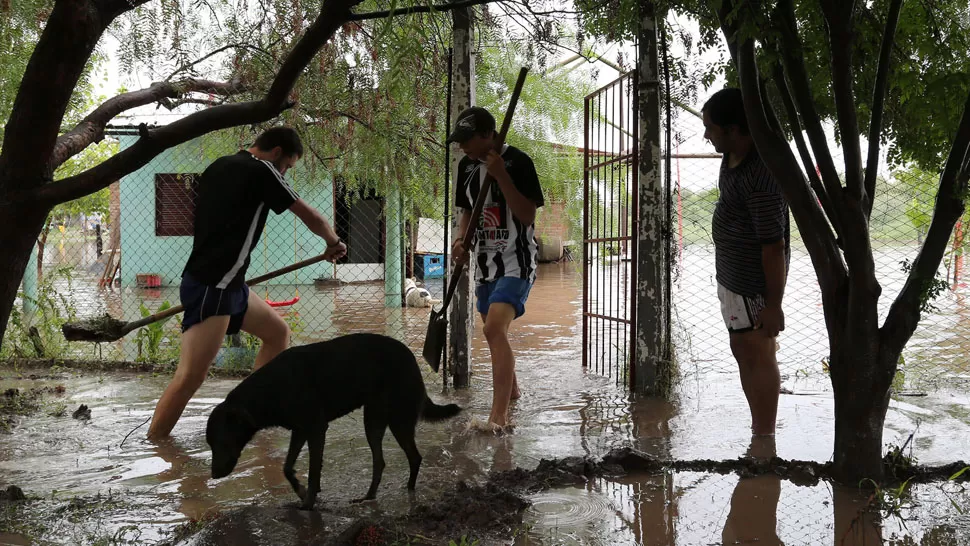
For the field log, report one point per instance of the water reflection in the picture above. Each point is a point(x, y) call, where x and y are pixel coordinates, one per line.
point(693, 508)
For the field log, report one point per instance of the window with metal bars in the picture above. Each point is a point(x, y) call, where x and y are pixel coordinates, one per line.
point(175, 204)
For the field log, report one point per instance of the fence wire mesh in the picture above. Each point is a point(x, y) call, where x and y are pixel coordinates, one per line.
point(903, 208)
point(122, 252)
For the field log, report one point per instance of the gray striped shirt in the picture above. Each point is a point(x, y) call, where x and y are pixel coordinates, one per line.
point(750, 212)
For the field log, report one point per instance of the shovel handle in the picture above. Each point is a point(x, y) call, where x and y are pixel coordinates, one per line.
point(255, 280)
point(469, 234)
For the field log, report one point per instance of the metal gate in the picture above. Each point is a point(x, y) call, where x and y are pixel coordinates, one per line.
point(609, 224)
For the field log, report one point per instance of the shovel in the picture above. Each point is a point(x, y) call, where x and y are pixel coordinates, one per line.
point(106, 328)
point(434, 342)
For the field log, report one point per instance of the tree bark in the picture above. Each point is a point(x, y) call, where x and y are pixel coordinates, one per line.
point(860, 384)
point(17, 244)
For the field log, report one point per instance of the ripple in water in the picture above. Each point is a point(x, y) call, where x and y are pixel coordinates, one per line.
point(570, 509)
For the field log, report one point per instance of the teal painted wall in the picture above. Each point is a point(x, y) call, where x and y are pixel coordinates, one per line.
point(285, 239)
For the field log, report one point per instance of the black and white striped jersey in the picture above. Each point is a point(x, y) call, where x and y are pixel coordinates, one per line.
point(505, 247)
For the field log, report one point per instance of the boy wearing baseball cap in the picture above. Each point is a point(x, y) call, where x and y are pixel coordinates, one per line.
point(506, 251)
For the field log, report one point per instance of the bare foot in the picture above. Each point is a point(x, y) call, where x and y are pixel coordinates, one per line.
point(489, 426)
point(516, 394)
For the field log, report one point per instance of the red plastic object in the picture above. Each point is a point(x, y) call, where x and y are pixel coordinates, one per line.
point(285, 303)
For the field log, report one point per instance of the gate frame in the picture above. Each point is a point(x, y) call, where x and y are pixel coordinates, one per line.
point(632, 159)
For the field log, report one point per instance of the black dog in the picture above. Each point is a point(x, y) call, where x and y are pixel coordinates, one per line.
point(306, 387)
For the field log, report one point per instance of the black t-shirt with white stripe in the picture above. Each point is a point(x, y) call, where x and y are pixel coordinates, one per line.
point(505, 247)
point(236, 193)
point(750, 212)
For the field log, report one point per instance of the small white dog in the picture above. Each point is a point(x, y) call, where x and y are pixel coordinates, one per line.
point(415, 296)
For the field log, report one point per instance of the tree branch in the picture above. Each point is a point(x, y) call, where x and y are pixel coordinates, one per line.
point(904, 314)
point(769, 109)
point(114, 8)
point(69, 37)
point(91, 128)
point(213, 53)
point(878, 101)
point(410, 10)
point(796, 128)
point(776, 153)
point(839, 19)
point(333, 14)
point(791, 52)
point(169, 104)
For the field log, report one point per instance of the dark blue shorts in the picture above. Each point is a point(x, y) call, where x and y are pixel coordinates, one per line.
point(511, 290)
point(202, 301)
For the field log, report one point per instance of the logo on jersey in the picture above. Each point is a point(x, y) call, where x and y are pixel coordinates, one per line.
point(491, 217)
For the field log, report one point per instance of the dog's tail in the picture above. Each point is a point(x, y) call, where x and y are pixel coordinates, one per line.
point(434, 412)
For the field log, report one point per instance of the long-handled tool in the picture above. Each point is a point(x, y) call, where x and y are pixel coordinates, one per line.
point(434, 343)
point(106, 328)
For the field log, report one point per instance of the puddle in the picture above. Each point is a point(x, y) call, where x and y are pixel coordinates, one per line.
point(689, 508)
point(147, 491)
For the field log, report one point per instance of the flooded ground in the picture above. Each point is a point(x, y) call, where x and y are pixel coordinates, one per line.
point(139, 492)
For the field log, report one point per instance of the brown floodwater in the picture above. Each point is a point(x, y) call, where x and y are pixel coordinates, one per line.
point(146, 489)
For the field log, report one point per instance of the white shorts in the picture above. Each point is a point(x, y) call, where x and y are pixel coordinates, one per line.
point(740, 313)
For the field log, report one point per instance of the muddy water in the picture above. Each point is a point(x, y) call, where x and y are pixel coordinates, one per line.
point(148, 489)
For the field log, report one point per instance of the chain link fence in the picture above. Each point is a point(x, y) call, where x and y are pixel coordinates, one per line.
point(127, 261)
point(901, 215)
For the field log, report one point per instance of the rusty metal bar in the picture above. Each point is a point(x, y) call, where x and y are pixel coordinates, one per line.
point(610, 239)
point(608, 86)
point(625, 157)
point(634, 228)
point(586, 245)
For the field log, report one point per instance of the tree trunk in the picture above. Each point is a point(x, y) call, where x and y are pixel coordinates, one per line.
point(18, 243)
point(861, 384)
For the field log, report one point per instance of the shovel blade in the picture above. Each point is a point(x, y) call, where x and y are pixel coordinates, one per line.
point(434, 343)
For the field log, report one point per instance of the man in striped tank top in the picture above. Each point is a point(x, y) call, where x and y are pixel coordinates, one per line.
point(751, 232)
point(506, 249)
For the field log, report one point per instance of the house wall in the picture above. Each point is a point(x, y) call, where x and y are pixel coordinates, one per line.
point(552, 221)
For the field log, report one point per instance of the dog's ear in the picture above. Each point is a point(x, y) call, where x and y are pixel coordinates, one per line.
point(238, 415)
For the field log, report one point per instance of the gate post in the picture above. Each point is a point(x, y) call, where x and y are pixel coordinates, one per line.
point(460, 316)
point(652, 299)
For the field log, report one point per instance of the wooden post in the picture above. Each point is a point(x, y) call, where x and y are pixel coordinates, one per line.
point(652, 298)
point(463, 89)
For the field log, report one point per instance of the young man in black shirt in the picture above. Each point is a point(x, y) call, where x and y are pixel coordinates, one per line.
point(236, 193)
point(507, 252)
point(751, 253)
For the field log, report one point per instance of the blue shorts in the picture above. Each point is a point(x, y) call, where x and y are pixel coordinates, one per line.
point(511, 290)
point(202, 301)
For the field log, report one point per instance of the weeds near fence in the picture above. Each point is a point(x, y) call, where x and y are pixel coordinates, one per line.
point(38, 334)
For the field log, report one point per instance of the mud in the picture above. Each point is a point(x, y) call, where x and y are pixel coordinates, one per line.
point(16, 403)
point(12, 494)
point(493, 512)
point(83, 412)
point(97, 329)
point(111, 366)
